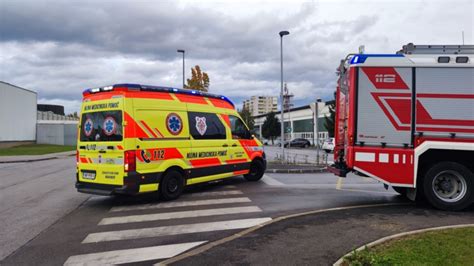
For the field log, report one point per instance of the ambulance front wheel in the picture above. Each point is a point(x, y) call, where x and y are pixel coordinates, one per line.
point(171, 185)
point(257, 169)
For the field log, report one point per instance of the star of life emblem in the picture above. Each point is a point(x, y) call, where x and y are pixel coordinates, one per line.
point(174, 124)
point(88, 126)
point(109, 126)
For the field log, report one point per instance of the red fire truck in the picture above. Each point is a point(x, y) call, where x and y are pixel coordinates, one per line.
point(407, 120)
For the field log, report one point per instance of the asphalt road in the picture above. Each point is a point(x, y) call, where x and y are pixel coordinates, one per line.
point(33, 196)
point(44, 222)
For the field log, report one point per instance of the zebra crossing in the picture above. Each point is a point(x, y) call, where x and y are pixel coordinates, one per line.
point(192, 218)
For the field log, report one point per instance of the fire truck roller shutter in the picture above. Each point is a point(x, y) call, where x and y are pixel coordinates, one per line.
point(384, 106)
point(445, 101)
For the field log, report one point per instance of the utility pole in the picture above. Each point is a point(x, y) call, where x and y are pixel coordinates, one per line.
point(287, 106)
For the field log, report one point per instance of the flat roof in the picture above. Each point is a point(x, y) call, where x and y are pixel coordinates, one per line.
point(291, 110)
point(18, 87)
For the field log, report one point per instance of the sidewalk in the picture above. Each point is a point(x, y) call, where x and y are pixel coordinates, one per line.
point(276, 167)
point(35, 158)
point(322, 238)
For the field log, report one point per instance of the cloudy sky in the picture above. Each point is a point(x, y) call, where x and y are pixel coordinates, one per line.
point(58, 48)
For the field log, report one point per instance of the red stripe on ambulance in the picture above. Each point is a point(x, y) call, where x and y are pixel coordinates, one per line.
point(132, 130)
point(205, 162)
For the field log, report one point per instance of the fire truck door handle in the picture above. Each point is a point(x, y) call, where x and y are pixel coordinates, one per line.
point(225, 145)
point(234, 145)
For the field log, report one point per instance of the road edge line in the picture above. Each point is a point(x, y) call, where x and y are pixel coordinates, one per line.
point(240, 234)
point(400, 235)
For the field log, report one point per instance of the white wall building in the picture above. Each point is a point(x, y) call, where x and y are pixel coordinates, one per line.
point(258, 105)
point(17, 113)
point(302, 120)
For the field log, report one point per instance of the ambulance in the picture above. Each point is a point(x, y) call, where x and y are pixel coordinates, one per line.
point(135, 139)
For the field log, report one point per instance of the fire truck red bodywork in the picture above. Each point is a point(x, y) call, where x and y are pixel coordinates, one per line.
point(393, 109)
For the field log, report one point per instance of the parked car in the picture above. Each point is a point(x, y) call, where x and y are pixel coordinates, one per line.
point(328, 145)
point(303, 143)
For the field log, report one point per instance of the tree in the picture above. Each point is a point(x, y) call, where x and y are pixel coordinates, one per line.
point(247, 117)
point(329, 121)
point(199, 80)
point(271, 127)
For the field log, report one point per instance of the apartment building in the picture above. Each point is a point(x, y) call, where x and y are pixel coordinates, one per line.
point(258, 105)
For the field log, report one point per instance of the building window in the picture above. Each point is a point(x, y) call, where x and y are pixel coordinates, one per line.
point(305, 125)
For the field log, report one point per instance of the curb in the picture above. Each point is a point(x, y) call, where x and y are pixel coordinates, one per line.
point(240, 234)
point(296, 171)
point(20, 160)
point(399, 235)
point(29, 160)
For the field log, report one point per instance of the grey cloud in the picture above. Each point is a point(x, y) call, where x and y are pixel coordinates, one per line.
point(152, 29)
point(61, 47)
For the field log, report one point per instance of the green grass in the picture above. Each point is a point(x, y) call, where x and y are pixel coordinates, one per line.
point(35, 149)
point(444, 247)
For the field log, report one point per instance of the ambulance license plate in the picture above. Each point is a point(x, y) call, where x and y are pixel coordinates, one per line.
point(88, 175)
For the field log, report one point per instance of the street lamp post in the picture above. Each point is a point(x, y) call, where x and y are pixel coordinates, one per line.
point(282, 33)
point(183, 52)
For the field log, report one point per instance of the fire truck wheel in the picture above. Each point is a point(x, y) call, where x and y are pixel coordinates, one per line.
point(400, 190)
point(256, 172)
point(171, 185)
point(449, 186)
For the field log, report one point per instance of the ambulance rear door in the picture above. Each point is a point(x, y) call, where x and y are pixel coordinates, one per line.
point(100, 145)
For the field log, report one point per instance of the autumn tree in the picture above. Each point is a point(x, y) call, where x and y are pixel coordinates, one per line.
point(199, 80)
point(247, 117)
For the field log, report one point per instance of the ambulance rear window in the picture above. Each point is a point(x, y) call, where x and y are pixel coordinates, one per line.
point(101, 126)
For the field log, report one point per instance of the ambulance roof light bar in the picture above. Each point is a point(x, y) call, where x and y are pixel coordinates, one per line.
point(157, 89)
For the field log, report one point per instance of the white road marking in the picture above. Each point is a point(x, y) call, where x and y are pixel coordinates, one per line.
point(339, 183)
point(131, 255)
point(213, 193)
point(177, 215)
point(271, 181)
point(180, 204)
point(173, 230)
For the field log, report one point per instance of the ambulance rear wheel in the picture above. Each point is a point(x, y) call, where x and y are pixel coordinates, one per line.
point(449, 186)
point(171, 185)
point(257, 169)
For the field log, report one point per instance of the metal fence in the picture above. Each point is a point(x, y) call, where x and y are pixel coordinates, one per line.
point(298, 158)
